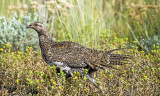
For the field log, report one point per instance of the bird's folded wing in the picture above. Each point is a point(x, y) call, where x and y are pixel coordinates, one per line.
point(73, 54)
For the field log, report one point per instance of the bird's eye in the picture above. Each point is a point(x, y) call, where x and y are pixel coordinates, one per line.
point(36, 24)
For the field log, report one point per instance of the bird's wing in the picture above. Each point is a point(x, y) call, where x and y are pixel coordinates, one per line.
point(73, 54)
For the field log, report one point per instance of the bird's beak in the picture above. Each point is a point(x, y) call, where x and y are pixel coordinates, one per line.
point(28, 26)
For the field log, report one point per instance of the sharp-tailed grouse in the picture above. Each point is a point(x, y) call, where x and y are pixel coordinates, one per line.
point(70, 56)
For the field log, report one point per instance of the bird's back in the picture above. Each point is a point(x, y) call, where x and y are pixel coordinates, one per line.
point(75, 55)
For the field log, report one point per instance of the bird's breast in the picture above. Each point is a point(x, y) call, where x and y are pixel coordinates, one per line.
point(43, 55)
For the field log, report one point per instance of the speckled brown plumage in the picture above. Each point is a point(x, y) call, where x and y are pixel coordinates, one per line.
point(70, 56)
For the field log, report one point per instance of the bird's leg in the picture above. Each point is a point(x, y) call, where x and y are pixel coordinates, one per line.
point(91, 79)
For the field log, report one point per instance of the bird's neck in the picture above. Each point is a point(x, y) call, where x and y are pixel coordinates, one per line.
point(44, 37)
point(44, 41)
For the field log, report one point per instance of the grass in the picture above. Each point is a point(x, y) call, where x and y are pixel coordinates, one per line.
point(74, 19)
point(99, 24)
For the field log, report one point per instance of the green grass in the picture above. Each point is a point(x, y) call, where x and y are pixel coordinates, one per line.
point(85, 20)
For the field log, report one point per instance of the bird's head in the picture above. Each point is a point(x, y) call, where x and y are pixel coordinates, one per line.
point(38, 27)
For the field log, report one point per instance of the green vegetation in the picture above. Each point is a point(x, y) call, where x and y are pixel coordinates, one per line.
point(14, 32)
point(99, 24)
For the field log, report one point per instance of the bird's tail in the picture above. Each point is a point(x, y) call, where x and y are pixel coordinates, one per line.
point(116, 59)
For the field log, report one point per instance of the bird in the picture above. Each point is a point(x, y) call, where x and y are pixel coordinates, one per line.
point(72, 57)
